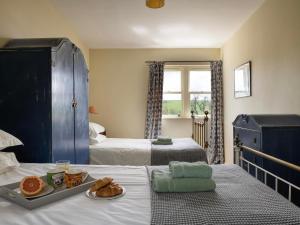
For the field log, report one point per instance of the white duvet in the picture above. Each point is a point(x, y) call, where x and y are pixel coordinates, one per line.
point(121, 151)
point(133, 208)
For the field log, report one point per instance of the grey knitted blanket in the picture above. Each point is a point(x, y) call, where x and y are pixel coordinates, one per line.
point(238, 199)
point(182, 149)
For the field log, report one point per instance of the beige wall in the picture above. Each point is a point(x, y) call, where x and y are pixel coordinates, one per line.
point(271, 40)
point(177, 127)
point(35, 19)
point(119, 83)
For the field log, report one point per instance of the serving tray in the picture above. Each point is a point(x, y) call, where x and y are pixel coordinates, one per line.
point(8, 192)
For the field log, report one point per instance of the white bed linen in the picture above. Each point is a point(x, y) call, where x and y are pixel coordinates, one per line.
point(8, 161)
point(133, 208)
point(121, 151)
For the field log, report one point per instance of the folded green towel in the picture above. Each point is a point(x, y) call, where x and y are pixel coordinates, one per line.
point(187, 169)
point(162, 142)
point(164, 139)
point(162, 181)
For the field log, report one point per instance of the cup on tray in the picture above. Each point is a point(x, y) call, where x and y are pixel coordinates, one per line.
point(55, 177)
point(74, 177)
point(63, 164)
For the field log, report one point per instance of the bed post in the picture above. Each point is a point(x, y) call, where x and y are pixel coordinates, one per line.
point(236, 151)
point(206, 129)
point(193, 124)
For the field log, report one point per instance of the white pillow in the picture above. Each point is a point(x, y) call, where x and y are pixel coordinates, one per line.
point(7, 140)
point(98, 139)
point(96, 127)
point(92, 132)
point(8, 161)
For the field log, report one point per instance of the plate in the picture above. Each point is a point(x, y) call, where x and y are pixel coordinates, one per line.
point(47, 190)
point(92, 195)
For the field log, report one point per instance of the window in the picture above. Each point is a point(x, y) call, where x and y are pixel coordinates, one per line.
point(172, 96)
point(186, 88)
point(200, 91)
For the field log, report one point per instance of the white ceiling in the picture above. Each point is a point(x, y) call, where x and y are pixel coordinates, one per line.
point(179, 24)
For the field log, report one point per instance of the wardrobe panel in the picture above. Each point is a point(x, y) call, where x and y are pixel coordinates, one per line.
point(81, 109)
point(62, 110)
point(25, 101)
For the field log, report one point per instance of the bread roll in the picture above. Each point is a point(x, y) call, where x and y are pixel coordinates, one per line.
point(109, 191)
point(101, 183)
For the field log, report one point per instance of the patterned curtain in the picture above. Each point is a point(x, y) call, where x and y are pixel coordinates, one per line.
point(216, 149)
point(154, 102)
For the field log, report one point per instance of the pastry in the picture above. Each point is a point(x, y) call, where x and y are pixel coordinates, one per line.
point(101, 183)
point(31, 185)
point(109, 191)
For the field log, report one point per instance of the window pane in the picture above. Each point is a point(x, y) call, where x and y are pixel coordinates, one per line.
point(172, 104)
point(199, 81)
point(172, 80)
point(200, 103)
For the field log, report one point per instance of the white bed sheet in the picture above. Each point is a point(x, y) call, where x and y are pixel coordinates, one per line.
point(133, 208)
point(121, 151)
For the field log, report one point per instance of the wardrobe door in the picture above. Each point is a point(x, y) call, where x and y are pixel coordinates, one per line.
point(81, 109)
point(25, 101)
point(62, 109)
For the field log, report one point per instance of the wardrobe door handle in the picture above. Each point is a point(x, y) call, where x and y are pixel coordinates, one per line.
point(74, 104)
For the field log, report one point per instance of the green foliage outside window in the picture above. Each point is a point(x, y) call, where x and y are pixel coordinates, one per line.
point(171, 107)
point(199, 106)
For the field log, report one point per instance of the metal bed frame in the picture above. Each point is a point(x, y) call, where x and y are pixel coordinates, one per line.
point(242, 162)
point(200, 130)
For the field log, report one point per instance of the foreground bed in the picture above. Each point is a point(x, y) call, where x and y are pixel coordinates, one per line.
point(238, 199)
point(138, 152)
point(133, 208)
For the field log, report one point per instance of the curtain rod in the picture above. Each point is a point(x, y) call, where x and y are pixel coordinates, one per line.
point(191, 61)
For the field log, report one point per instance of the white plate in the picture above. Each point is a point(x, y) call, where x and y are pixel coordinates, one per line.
point(92, 195)
point(47, 190)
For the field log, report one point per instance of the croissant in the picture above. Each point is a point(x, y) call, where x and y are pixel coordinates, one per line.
point(109, 191)
point(101, 183)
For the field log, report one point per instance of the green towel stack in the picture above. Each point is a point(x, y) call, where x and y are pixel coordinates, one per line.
point(183, 177)
point(185, 169)
point(163, 141)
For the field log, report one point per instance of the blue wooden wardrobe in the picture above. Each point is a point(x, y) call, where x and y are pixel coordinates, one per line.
point(44, 99)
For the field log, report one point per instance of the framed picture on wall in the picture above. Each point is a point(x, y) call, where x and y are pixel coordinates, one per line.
point(242, 80)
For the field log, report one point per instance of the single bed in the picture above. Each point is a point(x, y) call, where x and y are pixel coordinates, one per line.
point(238, 199)
point(138, 152)
point(121, 151)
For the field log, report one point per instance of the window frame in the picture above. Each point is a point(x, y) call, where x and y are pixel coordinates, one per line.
point(175, 68)
point(185, 93)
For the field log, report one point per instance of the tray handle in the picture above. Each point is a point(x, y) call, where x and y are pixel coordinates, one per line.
point(10, 194)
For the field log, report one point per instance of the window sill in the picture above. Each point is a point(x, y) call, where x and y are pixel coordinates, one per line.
point(201, 117)
point(176, 118)
point(184, 118)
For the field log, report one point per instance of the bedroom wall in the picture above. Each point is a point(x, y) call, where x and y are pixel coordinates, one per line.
point(271, 40)
point(119, 85)
point(35, 19)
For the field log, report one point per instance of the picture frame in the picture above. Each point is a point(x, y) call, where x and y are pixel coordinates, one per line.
point(242, 80)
